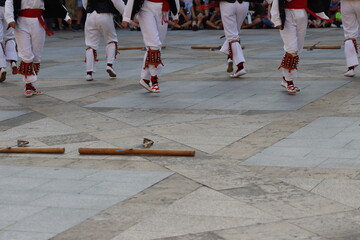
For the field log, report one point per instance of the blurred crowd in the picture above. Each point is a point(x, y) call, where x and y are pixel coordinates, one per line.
point(201, 14)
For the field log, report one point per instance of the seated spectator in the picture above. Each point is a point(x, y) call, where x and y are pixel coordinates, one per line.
point(257, 11)
point(338, 19)
point(189, 7)
point(265, 18)
point(184, 19)
point(79, 16)
point(215, 20)
point(199, 15)
point(317, 23)
point(335, 13)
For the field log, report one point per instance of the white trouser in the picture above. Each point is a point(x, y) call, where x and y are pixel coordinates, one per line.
point(98, 24)
point(153, 30)
point(350, 12)
point(293, 36)
point(7, 39)
point(30, 38)
point(232, 16)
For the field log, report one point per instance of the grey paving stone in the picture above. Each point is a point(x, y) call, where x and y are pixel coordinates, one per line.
point(199, 236)
point(53, 220)
point(304, 183)
point(122, 189)
point(16, 213)
point(19, 197)
point(56, 173)
point(66, 186)
point(283, 161)
point(126, 176)
point(294, 151)
point(334, 226)
point(79, 201)
point(341, 163)
point(5, 115)
point(6, 171)
point(20, 235)
point(354, 145)
point(4, 224)
point(310, 143)
point(7, 103)
point(67, 138)
point(341, 190)
point(261, 96)
point(269, 231)
point(316, 133)
point(327, 142)
point(337, 122)
point(18, 183)
point(339, 153)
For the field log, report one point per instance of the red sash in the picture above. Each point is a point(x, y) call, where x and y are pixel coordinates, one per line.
point(296, 4)
point(36, 13)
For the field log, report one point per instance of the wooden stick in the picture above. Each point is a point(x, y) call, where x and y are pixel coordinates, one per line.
point(34, 150)
point(323, 47)
point(136, 47)
point(205, 47)
point(209, 47)
point(135, 151)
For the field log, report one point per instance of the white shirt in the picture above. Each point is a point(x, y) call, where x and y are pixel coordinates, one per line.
point(25, 4)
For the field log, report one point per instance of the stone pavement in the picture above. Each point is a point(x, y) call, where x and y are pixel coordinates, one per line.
point(268, 165)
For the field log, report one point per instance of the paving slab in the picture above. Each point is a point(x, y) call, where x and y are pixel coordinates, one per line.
point(5, 115)
point(337, 131)
point(258, 95)
point(51, 200)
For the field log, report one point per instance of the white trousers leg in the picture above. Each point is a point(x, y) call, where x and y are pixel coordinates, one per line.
point(10, 50)
point(98, 24)
point(153, 30)
point(290, 76)
point(225, 47)
point(350, 11)
point(3, 27)
point(232, 16)
point(90, 60)
point(2, 37)
point(351, 55)
point(30, 37)
point(110, 52)
point(293, 36)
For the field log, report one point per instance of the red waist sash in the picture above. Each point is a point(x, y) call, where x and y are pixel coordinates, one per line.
point(36, 13)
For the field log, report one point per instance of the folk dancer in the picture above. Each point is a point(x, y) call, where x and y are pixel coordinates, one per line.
point(8, 44)
point(350, 12)
point(290, 17)
point(99, 20)
point(233, 14)
point(153, 19)
point(27, 18)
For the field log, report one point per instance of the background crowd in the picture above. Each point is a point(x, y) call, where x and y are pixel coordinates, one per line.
point(193, 16)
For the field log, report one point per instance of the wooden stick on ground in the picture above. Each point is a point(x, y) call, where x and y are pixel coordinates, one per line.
point(136, 47)
point(136, 151)
point(34, 150)
point(205, 47)
point(209, 47)
point(323, 47)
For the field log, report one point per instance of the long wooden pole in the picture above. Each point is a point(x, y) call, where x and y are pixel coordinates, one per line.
point(323, 47)
point(205, 47)
point(135, 47)
point(209, 47)
point(34, 150)
point(135, 151)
